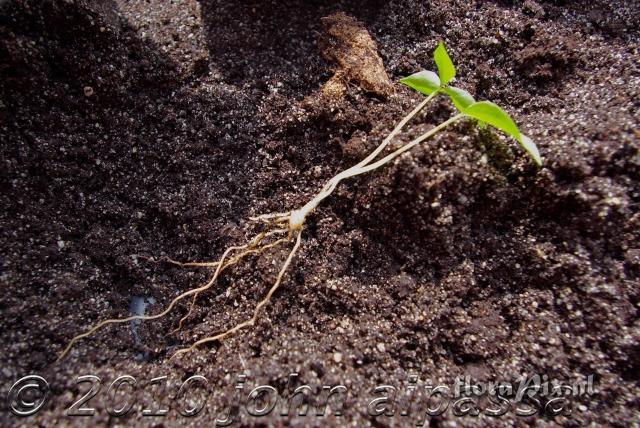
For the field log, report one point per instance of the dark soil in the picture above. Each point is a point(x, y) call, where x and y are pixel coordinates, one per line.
point(136, 129)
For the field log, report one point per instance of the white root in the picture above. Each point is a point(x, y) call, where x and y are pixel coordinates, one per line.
point(288, 224)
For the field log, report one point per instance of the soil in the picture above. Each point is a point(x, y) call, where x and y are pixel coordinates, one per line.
point(143, 129)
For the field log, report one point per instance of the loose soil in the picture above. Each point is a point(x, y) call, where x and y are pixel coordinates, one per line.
point(143, 129)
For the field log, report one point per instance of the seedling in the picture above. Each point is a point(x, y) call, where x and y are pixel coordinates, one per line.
point(486, 112)
point(280, 229)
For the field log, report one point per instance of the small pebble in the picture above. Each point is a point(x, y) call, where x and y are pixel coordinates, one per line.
point(61, 244)
point(337, 357)
point(380, 347)
point(88, 91)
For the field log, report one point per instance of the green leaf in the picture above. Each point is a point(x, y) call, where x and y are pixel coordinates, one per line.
point(487, 111)
point(460, 98)
point(426, 82)
point(530, 147)
point(481, 124)
point(446, 69)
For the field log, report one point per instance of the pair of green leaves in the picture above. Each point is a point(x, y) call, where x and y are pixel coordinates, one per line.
point(486, 112)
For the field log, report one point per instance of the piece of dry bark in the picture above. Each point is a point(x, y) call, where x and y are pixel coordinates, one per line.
point(347, 44)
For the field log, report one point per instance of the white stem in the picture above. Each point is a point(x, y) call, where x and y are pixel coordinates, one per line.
point(396, 130)
point(298, 217)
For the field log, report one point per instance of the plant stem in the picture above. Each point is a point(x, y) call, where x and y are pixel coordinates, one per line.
point(409, 146)
point(298, 216)
point(396, 131)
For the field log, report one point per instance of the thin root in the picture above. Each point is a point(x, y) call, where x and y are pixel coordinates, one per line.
point(290, 223)
point(192, 264)
point(177, 263)
point(233, 261)
point(274, 218)
point(257, 309)
point(220, 267)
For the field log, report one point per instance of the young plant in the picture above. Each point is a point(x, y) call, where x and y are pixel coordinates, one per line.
point(486, 112)
point(286, 228)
